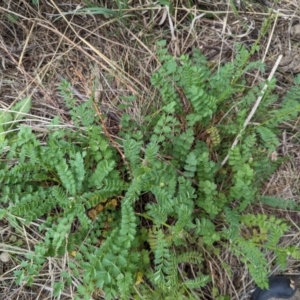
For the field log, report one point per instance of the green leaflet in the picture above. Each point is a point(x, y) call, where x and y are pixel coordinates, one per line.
point(21, 108)
point(5, 118)
point(9, 119)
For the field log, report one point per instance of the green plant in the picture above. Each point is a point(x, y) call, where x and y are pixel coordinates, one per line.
point(160, 197)
point(10, 117)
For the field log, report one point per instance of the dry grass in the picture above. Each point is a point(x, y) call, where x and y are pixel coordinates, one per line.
point(114, 56)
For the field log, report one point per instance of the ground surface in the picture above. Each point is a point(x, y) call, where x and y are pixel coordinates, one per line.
point(41, 44)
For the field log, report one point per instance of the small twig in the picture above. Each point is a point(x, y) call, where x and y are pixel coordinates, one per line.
point(270, 38)
point(25, 46)
point(172, 29)
point(254, 108)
